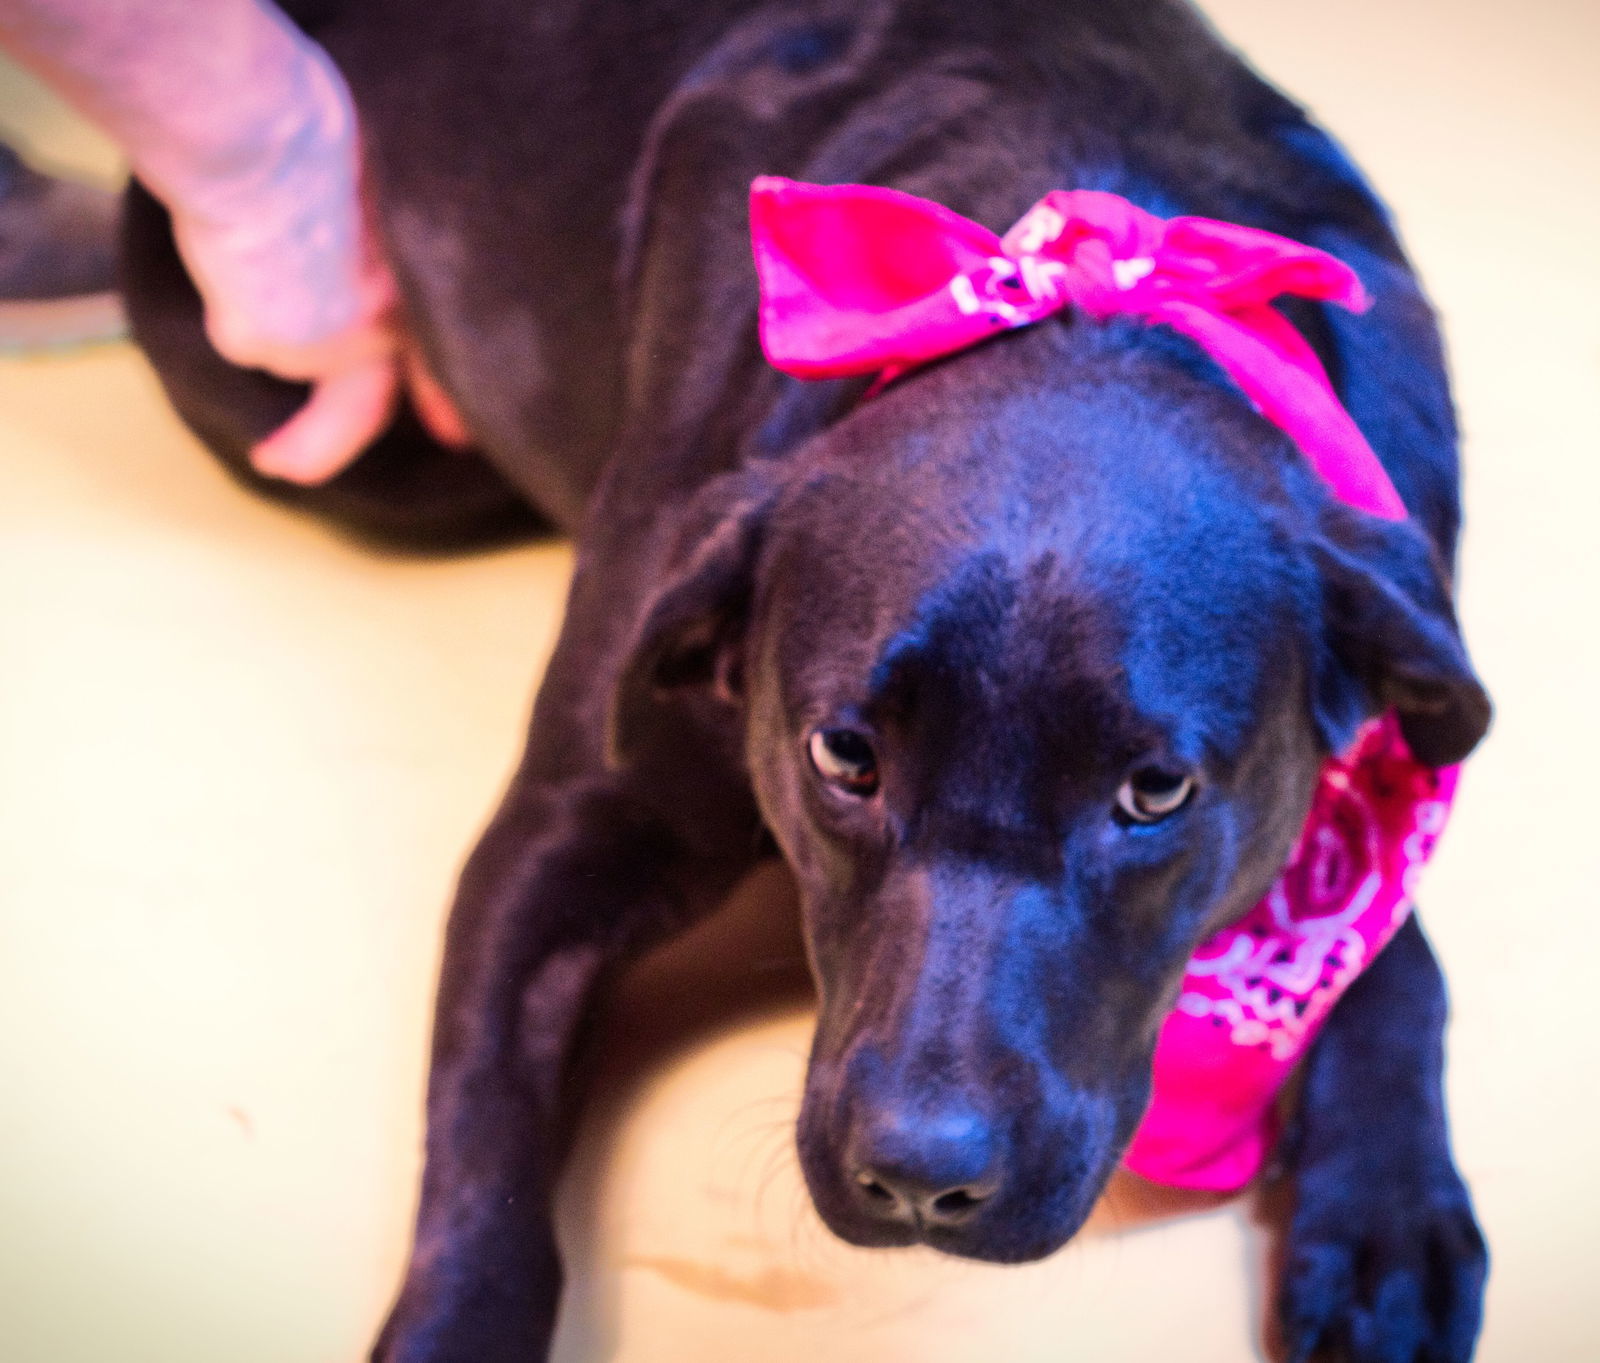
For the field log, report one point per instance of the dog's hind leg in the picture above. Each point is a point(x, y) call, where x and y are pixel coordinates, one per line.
point(406, 491)
point(1385, 1261)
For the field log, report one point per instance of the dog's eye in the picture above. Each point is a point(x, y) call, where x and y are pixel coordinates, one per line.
point(846, 759)
point(1151, 793)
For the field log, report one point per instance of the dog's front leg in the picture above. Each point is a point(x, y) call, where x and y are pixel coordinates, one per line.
point(1385, 1260)
point(572, 877)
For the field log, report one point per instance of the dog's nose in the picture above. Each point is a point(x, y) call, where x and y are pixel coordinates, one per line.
point(925, 1169)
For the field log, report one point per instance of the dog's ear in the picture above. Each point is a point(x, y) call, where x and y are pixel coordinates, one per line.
point(1391, 639)
point(689, 646)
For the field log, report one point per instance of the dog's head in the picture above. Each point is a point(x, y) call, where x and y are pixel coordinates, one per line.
point(1037, 657)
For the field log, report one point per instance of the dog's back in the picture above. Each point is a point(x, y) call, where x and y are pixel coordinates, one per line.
point(562, 188)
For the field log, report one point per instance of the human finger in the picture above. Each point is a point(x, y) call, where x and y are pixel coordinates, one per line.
point(345, 413)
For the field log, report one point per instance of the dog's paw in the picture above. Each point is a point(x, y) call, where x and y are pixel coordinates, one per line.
point(487, 1340)
point(1393, 1275)
point(470, 1320)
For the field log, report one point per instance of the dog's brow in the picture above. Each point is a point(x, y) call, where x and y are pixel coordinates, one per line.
point(1017, 641)
point(949, 625)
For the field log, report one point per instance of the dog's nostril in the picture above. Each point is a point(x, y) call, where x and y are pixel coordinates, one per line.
point(957, 1203)
point(902, 1199)
point(877, 1191)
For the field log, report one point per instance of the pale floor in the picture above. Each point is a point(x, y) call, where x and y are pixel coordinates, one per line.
point(242, 760)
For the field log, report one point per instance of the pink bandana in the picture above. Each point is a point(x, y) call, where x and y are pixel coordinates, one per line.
point(861, 280)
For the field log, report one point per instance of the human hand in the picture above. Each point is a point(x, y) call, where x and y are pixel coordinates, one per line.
point(279, 244)
point(244, 128)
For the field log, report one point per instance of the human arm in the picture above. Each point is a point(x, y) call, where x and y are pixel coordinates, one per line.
point(245, 129)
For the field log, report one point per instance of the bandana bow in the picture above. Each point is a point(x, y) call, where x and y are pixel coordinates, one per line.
point(858, 280)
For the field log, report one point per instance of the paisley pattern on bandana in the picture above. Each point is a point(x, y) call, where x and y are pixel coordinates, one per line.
point(856, 279)
point(1257, 992)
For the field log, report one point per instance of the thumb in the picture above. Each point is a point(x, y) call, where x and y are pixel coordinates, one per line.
point(344, 414)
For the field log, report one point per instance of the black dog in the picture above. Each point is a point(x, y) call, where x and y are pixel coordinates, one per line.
point(916, 645)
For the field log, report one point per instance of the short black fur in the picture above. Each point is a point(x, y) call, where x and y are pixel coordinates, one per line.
point(1018, 575)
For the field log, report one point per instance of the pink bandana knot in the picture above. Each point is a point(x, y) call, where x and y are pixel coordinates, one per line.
point(861, 280)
